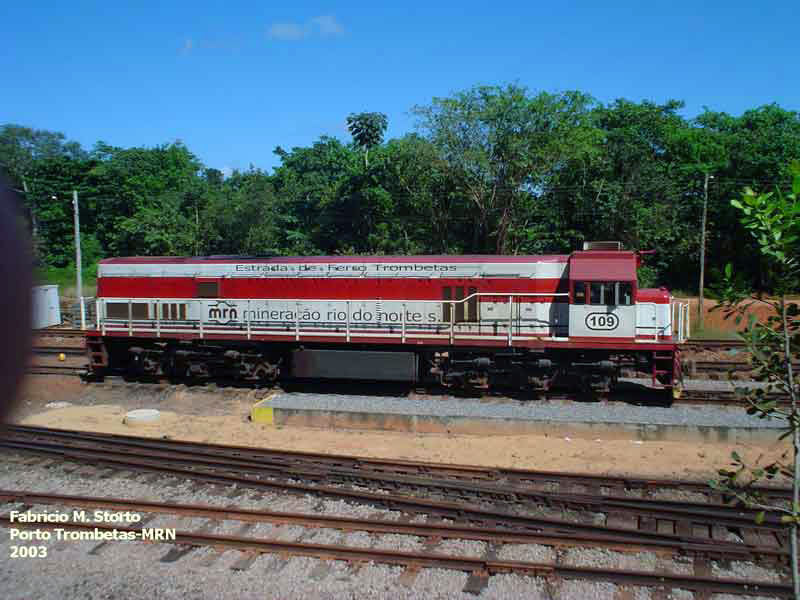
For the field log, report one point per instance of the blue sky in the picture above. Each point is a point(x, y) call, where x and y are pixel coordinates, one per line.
point(232, 80)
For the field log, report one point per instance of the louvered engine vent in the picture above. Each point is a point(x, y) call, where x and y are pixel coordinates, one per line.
point(602, 245)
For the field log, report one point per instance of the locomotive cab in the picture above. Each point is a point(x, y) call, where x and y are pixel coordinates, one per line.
point(602, 288)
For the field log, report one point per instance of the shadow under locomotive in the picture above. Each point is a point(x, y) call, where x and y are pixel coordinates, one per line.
point(628, 392)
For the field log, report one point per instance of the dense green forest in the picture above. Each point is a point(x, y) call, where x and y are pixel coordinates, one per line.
point(488, 170)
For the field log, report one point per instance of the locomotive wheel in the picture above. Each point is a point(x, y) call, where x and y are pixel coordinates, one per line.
point(169, 365)
point(265, 374)
point(197, 371)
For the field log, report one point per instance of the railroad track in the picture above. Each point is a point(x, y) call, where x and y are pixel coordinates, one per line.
point(548, 480)
point(59, 332)
point(714, 344)
point(513, 500)
point(56, 350)
point(726, 398)
point(56, 370)
point(48, 359)
point(723, 365)
point(480, 569)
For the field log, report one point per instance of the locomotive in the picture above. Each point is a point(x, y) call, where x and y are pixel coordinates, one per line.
point(521, 322)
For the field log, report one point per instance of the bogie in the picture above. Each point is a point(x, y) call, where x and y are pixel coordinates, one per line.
point(592, 373)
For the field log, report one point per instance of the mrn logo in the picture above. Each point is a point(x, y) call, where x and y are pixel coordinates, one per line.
point(222, 312)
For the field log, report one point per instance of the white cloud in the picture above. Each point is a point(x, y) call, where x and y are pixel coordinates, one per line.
point(322, 25)
point(328, 25)
point(287, 31)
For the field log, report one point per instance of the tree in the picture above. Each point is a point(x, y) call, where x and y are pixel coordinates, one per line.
point(161, 228)
point(309, 183)
point(243, 215)
point(50, 183)
point(130, 183)
point(21, 147)
point(21, 150)
point(501, 144)
point(429, 217)
point(703, 154)
point(773, 219)
point(492, 169)
point(759, 145)
point(367, 129)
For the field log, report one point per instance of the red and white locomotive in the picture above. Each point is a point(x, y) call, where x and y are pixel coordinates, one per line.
point(528, 322)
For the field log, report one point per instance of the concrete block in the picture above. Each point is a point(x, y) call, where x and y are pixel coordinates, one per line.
point(262, 412)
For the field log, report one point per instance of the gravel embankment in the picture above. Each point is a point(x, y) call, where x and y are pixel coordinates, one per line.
point(122, 570)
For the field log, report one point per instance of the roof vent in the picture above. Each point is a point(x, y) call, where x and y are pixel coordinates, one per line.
point(602, 245)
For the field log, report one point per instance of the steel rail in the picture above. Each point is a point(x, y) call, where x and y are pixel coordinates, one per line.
point(731, 399)
point(456, 511)
point(509, 477)
point(734, 343)
point(63, 332)
point(55, 370)
point(47, 350)
point(482, 567)
point(430, 530)
point(709, 514)
point(727, 365)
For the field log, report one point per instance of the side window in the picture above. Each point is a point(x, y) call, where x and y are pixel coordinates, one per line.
point(173, 312)
point(472, 305)
point(459, 312)
point(139, 311)
point(116, 310)
point(207, 289)
point(579, 297)
point(119, 310)
point(625, 293)
point(459, 305)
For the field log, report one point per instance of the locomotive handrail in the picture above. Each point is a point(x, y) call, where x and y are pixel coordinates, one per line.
point(104, 322)
point(451, 330)
point(679, 311)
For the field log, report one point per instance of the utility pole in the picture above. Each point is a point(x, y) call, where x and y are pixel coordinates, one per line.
point(78, 275)
point(32, 203)
point(703, 253)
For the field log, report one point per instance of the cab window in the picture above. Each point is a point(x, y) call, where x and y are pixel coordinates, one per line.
point(579, 297)
point(609, 293)
point(601, 292)
point(624, 293)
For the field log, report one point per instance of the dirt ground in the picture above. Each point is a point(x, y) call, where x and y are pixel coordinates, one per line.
point(221, 416)
point(714, 320)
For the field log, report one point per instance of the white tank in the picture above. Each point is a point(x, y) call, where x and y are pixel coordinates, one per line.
point(46, 309)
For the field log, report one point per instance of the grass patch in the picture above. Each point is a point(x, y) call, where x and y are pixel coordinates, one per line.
point(64, 278)
point(712, 333)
